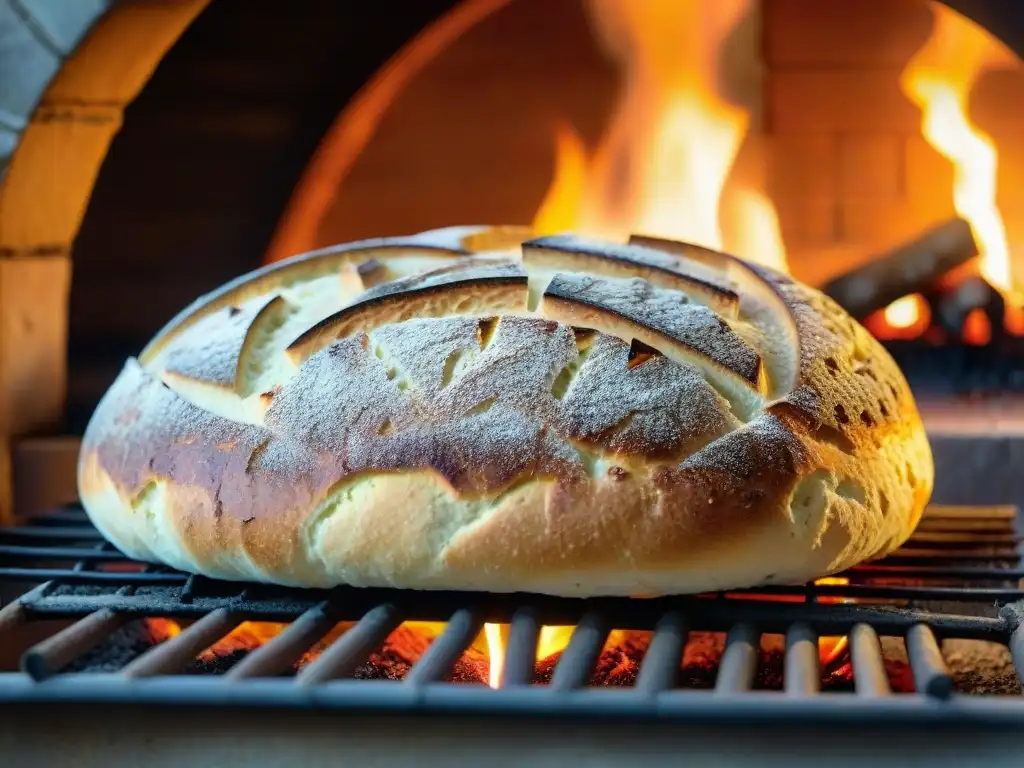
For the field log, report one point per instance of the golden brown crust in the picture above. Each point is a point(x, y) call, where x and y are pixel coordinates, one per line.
point(429, 434)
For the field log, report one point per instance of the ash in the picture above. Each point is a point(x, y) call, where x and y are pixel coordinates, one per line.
point(118, 649)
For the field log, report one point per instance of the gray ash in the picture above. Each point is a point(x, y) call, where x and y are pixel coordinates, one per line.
point(118, 649)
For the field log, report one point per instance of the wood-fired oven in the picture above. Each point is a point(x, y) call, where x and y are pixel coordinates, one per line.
point(153, 149)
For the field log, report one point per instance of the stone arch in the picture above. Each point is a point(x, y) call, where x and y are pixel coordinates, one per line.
point(67, 71)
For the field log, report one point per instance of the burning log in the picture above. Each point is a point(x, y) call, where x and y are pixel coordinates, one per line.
point(963, 310)
point(910, 268)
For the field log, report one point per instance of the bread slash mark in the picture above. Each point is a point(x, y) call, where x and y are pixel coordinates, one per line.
point(472, 290)
point(584, 338)
point(577, 254)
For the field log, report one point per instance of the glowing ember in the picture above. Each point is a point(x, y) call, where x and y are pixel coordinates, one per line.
point(663, 163)
point(903, 313)
point(162, 629)
point(939, 79)
point(906, 318)
point(977, 328)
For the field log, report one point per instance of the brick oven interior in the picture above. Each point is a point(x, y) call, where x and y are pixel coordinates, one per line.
point(197, 179)
point(206, 172)
point(232, 133)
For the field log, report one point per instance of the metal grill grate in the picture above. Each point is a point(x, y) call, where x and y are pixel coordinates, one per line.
point(959, 556)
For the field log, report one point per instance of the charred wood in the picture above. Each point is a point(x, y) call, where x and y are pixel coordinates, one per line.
point(911, 268)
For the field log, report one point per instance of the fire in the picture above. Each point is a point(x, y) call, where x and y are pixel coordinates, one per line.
point(939, 79)
point(554, 639)
point(664, 161)
point(551, 640)
point(903, 313)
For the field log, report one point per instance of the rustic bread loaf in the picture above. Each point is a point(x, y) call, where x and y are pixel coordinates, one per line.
point(454, 410)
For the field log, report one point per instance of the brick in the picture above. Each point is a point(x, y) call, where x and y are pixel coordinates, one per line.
point(838, 101)
point(1010, 172)
point(806, 223)
point(997, 99)
point(112, 65)
point(879, 224)
point(51, 175)
point(818, 265)
point(801, 165)
point(870, 166)
point(843, 32)
point(928, 176)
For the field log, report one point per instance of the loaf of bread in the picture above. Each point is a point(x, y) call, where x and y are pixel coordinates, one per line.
point(471, 409)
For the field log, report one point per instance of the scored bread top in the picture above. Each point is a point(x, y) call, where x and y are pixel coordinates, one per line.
point(495, 363)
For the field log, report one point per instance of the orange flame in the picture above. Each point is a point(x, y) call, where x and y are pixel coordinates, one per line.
point(662, 165)
point(554, 639)
point(550, 641)
point(939, 79)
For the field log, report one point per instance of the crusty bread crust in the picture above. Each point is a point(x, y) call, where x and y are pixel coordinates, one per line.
point(438, 412)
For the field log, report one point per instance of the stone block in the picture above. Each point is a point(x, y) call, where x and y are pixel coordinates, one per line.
point(62, 150)
point(801, 165)
point(26, 62)
point(117, 62)
point(62, 22)
point(928, 176)
point(806, 223)
point(877, 33)
point(838, 101)
point(870, 166)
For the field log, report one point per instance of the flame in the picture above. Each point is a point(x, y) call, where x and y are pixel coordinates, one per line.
point(554, 639)
point(550, 640)
point(939, 79)
point(621, 656)
point(662, 165)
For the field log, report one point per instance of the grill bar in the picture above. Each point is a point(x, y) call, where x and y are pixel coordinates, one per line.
point(869, 676)
point(956, 556)
point(352, 648)
point(854, 590)
point(521, 649)
point(56, 652)
point(176, 653)
point(931, 675)
point(661, 662)
point(711, 615)
point(739, 662)
point(1017, 650)
point(440, 657)
point(281, 652)
point(15, 614)
point(138, 579)
point(803, 668)
point(580, 656)
point(50, 533)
